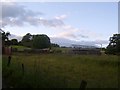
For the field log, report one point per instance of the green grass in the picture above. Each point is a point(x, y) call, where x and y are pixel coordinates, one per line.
point(59, 70)
point(20, 48)
point(64, 50)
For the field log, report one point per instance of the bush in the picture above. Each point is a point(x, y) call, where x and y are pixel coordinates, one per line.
point(14, 49)
point(41, 41)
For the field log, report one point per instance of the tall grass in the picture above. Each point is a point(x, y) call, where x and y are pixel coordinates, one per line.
point(59, 70)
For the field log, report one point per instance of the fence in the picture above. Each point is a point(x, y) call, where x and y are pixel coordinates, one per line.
point(86, 51)
point(7, 50)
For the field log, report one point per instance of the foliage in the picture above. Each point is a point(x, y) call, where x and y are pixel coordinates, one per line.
point(35, 41)
point(14, 41)
point(114, 45)
point(20, 43)
point(41, 41)
point(5, 36)
point(5, 39)
point(103, 49)
point(27, 37)
point(54, 45)
point(27, 40)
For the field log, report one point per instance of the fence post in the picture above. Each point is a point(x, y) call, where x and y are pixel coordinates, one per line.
point(23, 68)
point(9, 61)
point(83, 85)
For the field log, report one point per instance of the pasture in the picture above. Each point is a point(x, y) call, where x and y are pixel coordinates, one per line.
point(60, 70)
point(20, 48)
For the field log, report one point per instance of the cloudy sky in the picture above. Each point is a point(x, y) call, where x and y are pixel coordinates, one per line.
point(88, 22)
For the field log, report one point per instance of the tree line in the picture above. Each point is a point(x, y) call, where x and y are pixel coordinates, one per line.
point(41, 41)
point(114, 45)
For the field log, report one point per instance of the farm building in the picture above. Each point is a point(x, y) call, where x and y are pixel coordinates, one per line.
point(83, 49)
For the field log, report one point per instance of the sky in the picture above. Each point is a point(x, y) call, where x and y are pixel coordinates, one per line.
point(88, 22)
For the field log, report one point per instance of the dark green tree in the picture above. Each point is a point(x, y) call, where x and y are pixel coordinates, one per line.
point(114, 45)
point(41, 41)
point(54, 45)
point(27, 37)
point(14, 41)
point(27, 40)
point(20, 43)
point(5, 38)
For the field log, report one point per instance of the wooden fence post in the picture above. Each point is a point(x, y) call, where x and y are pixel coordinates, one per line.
point(83, 85)
point(9, 61)
point(23, 68)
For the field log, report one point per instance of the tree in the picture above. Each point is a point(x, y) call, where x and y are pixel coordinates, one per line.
point(5, 38)
point(41, 41)
point(20, 43)
point(14, 42)
point(27, 40)
point(54, 45)
point(27, 37)
point(114, 45)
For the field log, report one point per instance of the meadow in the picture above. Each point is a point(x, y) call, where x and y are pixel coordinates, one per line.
point(60, 70)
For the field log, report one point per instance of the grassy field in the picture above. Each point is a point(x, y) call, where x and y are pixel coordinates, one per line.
point(60, 70)
point(20, 48)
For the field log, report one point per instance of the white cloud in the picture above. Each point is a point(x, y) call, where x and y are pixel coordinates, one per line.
point(61, 17)
point(8, 0)
point(68, 34)
point(14, 14)
point(51, 22)
point(69, 28)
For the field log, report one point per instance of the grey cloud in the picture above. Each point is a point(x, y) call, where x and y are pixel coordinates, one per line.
point(32, 21)
point(11, 22)
point(73, 35)
point(101, 41)
point(52, 22)
point(12, 36)
point(13, 10)
point(16, 10)
point(15, 14)
point(83, 36)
